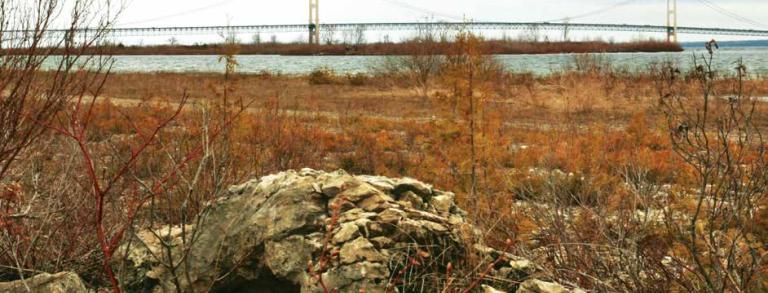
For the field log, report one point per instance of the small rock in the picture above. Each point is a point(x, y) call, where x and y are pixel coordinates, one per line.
point(422, 215)
point(411, 229)
point(307, 172)
point(455, 220)
point(358, 250)
point(357, 277)
point(359, 192)
point(354, 214)
point(382, 242)
point(336, 185)
point(443, 203)
point(489, 289)
point(391, 216)
point(374, 201)
point(381, 183)
point(64, 282)
point(406, 184)
point(411, 200)
point(523, 265)
point(539, 286)
point(316, 187)
point(373, 229)
point(383, 206)
point(348, 231)
point(434, 227)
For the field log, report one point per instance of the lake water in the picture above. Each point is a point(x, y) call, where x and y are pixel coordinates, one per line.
point(756, 59)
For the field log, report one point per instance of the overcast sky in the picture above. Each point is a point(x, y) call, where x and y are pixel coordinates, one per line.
point(155, 13)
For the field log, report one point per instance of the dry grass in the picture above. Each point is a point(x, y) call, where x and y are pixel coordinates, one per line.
point(589, 125)
point(583, 98)
point(608, 180)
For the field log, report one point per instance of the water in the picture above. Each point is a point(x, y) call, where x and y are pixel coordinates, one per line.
point(756, 59)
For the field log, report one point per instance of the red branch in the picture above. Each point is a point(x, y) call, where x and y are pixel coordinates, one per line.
point(78, 131)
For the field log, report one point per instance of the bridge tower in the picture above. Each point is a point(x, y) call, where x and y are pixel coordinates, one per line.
point(671, 21)
point(314, 22)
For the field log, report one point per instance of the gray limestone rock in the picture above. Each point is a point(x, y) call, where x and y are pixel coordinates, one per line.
point(302, 231)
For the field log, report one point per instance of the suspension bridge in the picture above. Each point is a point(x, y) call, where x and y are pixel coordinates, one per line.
point(413, 26)
point(314, 26)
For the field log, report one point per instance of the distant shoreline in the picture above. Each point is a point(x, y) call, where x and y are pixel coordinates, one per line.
point(726, 44)
point(406, 48)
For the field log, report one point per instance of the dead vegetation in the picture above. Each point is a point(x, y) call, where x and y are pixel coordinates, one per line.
point(610, 180)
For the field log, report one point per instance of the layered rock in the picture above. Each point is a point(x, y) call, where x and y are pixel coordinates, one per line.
point(313, 231)
point(64, 282)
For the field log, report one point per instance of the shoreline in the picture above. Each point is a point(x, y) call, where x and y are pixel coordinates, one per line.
point(394, 49)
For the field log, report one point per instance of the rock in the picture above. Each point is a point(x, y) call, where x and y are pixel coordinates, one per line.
point(289, 257)
point(382, 183)
point(520, 269)
point(64, 282)
point(410, 184)
point(347, 232)
point(374, 201)
point(410, 200)
point(539, 286)
point(443, 203)
point(456, 220)
point(359, 191)
point(285, 232)
point(359, 277)
point(337, 184)
point(489, 289)
point(232, 237)
point(521, 264)
point(374, 229)
point(360, 250)
point(355, 214)
point(382, 242)
point(391, 216)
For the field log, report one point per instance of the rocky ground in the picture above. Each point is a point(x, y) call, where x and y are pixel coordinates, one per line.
point(312, 231)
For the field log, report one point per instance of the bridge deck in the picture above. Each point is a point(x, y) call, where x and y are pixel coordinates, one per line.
point(541, 26)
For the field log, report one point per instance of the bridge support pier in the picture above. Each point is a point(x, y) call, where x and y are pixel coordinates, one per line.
point(314, 22)
point(672, 21)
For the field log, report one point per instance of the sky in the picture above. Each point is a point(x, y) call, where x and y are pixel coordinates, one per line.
point(707, 13)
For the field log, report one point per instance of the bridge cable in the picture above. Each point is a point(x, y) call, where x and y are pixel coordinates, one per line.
point(423, 10)
point(731, 14)
point(583, 15)
point(593, 12)
point(183, 13)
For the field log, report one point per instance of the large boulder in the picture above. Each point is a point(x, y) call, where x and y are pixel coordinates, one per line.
point(312, 231)
point(64, 282)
